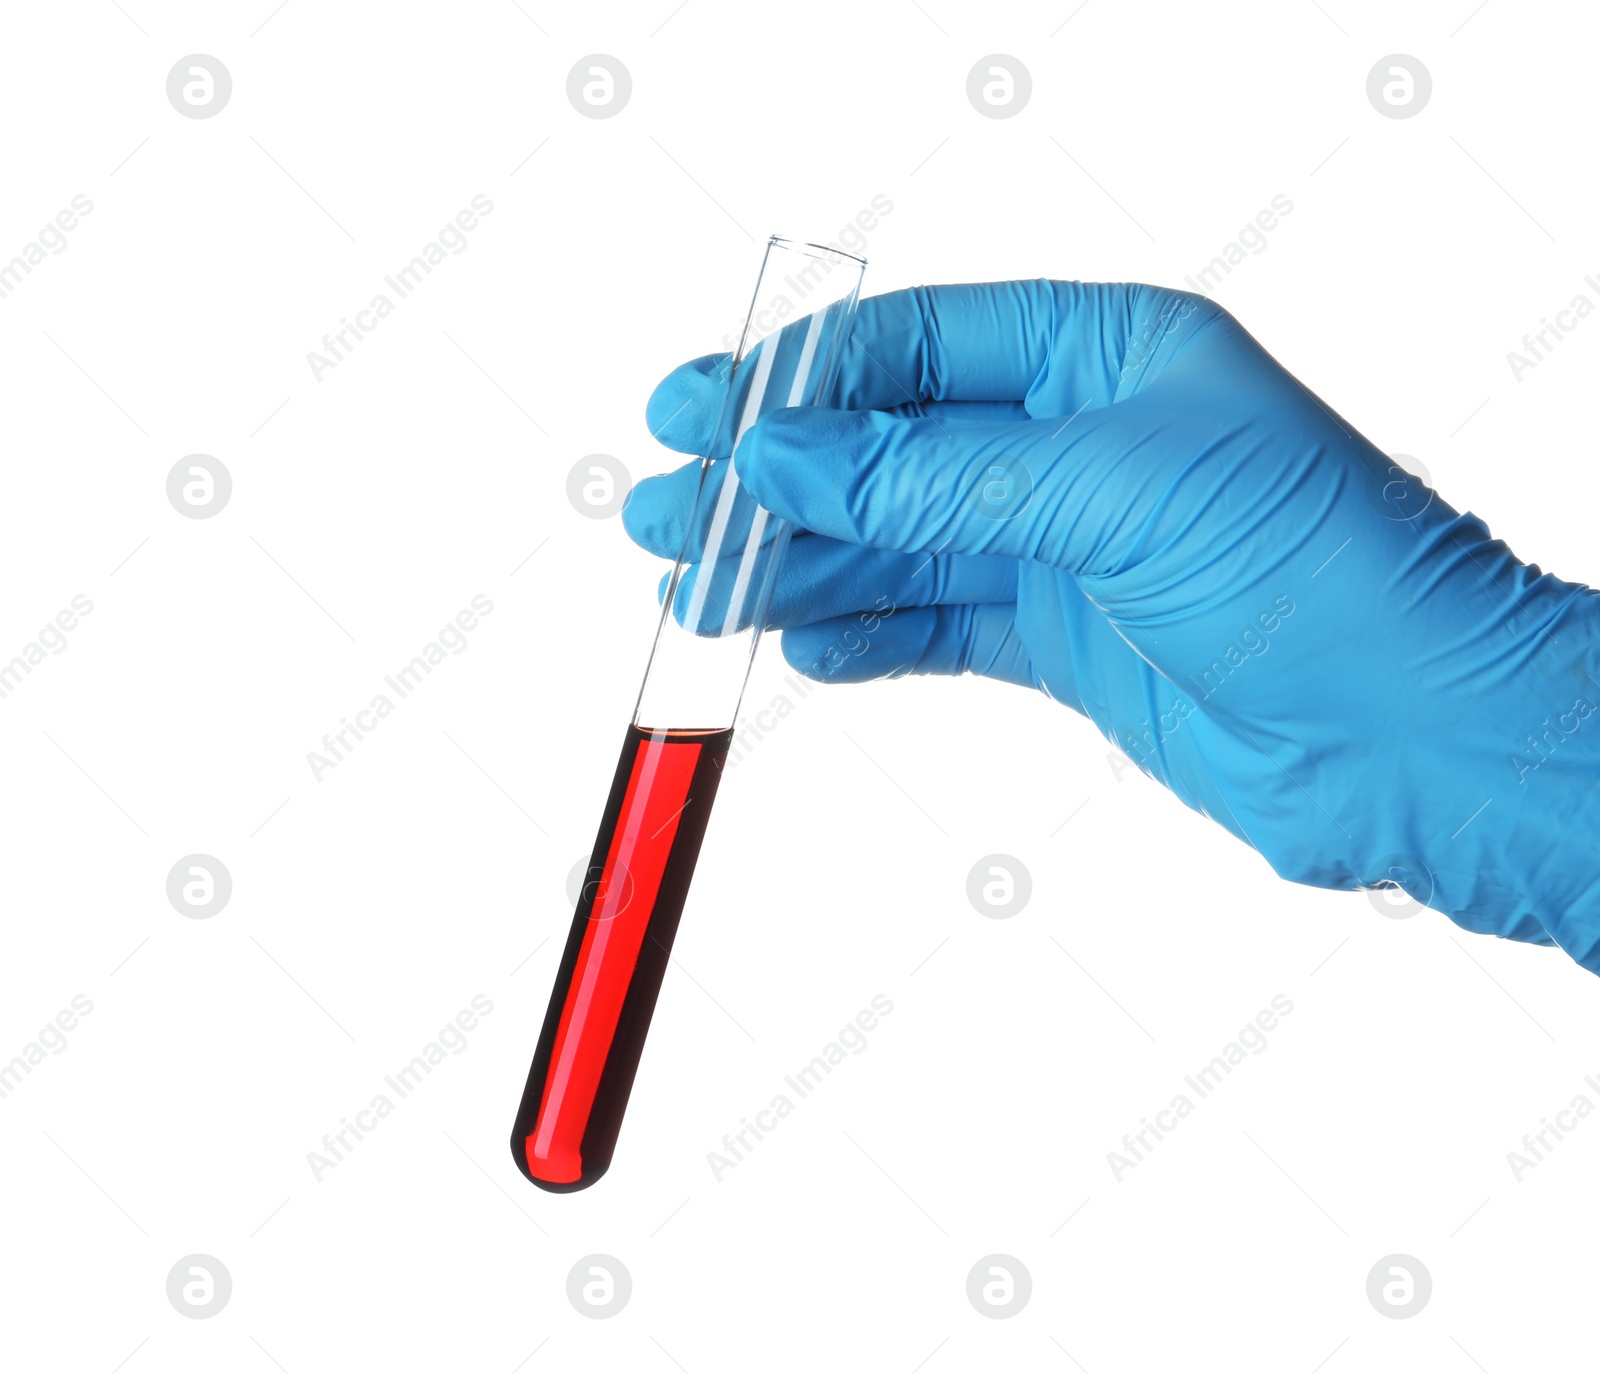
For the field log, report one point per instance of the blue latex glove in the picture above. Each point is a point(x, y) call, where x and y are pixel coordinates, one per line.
point(1132, 507)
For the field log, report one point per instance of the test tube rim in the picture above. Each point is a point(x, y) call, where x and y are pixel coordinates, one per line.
point(823, 249)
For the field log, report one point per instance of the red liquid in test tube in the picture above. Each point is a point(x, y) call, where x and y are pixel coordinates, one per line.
point(620, 940)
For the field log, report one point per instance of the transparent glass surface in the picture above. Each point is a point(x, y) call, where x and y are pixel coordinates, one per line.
point(632, 899)
point(719, 592)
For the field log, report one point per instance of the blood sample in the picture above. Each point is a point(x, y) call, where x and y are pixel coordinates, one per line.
point(617, 951)
point(713, 611)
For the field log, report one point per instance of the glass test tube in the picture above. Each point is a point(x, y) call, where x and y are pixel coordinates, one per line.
point(713, 612)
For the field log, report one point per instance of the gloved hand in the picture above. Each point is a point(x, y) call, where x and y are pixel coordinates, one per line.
point(1114, 494)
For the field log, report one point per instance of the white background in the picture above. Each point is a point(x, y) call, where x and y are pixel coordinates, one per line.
point(430, 866)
